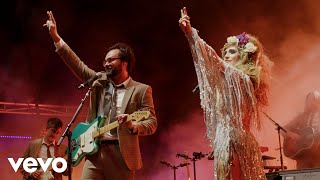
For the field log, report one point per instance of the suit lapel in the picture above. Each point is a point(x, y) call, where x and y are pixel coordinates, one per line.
point(37, 148)
point(129, 90)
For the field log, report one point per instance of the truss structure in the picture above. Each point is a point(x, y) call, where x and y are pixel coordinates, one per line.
point(39, 109)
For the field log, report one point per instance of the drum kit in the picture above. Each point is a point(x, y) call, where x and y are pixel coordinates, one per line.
point(199, 155)
point(265, 158)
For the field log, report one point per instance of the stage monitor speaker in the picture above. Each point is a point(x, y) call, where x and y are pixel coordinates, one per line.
point(304, 174)
point(273, 176)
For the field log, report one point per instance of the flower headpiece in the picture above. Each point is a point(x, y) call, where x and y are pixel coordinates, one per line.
point(242, 40)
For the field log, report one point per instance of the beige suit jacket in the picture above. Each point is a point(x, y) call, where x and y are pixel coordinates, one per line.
point(33, 150)
point(138, 96)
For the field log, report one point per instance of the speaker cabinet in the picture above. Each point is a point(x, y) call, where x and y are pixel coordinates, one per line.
point(303, 174)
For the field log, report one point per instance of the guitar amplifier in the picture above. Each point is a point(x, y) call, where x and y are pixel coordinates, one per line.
point(303, 174)
point(273, 176)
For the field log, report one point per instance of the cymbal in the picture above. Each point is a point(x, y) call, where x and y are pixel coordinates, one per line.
point(264, 157)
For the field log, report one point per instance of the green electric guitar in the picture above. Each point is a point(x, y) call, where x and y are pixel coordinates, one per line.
point(85, 137)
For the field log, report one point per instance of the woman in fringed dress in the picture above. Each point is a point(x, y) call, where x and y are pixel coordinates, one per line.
point(233, 89)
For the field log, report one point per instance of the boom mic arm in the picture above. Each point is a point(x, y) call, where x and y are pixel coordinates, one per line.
point(183, 156)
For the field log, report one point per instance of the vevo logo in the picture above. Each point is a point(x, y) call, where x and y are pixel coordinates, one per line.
point(30, 164)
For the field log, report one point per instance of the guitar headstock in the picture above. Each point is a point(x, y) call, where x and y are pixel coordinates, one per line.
point(139, 115)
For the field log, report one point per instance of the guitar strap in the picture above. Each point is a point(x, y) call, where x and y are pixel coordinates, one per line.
point(314, 121)
point(310, 119)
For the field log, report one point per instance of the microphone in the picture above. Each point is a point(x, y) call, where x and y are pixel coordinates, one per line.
point(183, 156)
point(198, 155)
point(196, 89)
point(90, 81)
point(165, 163)
point(184, 164)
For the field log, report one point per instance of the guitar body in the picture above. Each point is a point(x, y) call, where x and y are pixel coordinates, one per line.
point(82, 141)
point(302, 146)
point(85, 137)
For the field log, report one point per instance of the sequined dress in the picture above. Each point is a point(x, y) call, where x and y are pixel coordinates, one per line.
point(227, 98)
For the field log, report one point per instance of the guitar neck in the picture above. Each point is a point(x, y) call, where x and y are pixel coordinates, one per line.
point(106, 128)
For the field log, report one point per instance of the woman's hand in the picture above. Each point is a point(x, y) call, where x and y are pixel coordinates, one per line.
point(184, 21)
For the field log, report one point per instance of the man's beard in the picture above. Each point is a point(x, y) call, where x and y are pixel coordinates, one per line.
point(112, 72)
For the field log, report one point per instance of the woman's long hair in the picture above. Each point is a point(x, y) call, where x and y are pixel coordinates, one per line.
point(257, 66)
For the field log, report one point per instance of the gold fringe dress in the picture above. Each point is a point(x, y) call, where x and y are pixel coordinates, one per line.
point(227, 98)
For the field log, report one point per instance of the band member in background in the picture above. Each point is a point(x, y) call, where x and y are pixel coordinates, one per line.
point(119, 155)
point(232, 91)
point(45, 148)
point(301, 142)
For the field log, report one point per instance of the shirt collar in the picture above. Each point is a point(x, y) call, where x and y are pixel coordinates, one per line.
point(124, 83)
point(53, 143)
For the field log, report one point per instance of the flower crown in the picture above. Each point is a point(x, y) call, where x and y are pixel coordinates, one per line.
point(242, 40)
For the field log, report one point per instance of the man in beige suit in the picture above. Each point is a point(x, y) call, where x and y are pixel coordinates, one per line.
point(114, 93)
point(45, 148)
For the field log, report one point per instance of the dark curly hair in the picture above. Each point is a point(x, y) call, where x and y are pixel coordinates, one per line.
point(126, 55)
point(55, 123)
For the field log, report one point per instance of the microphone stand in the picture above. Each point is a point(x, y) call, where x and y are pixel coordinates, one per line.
point(194, 168)
point(174, 167)
point(196, 156)
point(279, 128)
point(68, 133)
point(193, 160)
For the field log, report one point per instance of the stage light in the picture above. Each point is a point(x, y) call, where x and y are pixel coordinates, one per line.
point(15, 137)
